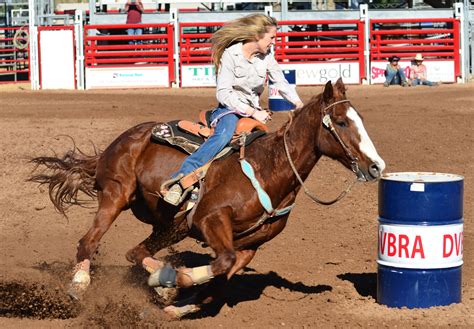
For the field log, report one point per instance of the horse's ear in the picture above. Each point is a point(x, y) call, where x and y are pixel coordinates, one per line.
point(328, 93)
point(340, 86)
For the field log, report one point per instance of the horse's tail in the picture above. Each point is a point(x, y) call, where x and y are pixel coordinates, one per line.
point(66, 176)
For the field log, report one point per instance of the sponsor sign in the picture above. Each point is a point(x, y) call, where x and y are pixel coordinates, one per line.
point(57, 59)
point(437, 70)
point(306, 74)
point(321, 73)
point(120, 77)
point(421, 247)
point(198, 76)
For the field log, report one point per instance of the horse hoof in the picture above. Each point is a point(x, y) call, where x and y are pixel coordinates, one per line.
point(176, 313)
point(166, 295)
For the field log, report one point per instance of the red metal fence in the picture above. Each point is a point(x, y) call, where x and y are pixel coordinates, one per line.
point(14, 62)
point(297, 42)
point(435, 38)
point(113, 47)
point(195, 46)
point(321, 41)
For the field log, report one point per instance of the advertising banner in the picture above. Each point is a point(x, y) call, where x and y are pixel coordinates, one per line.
point(412, 246)
point(437, 70)
point(127, 77)
point(306, 74)
point(198, 76)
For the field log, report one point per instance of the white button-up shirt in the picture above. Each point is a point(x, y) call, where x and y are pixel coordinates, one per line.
point(240, 81)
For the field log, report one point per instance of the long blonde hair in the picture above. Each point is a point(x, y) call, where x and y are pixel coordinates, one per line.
point(245, 29)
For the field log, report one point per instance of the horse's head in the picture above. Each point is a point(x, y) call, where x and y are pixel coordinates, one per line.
point(343, 136)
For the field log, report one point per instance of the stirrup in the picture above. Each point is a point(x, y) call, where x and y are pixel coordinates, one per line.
point(174, 195)
point(166, 184)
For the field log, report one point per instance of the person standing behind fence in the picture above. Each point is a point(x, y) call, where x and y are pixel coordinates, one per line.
point(394, 74)
point(418, 72)
point(134, 9)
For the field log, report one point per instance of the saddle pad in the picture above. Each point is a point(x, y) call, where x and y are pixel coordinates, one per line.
point(169, 133)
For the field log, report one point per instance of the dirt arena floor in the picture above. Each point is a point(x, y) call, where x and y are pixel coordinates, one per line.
point(319, 272)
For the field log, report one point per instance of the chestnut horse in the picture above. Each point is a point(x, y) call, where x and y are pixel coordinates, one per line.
point(131, 169)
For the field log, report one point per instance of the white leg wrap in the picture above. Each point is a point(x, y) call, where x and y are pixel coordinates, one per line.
point(200, 275)
point(151, 264)
point(81, 273)
point(81, 279)
point(178, 312)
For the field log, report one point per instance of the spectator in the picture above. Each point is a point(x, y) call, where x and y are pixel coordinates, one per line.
point(134, 9)
point(394, 74)
point(418, 73)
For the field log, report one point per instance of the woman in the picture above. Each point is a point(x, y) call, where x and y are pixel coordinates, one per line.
point(394, 74)
point(418, 72)
point(242, 57)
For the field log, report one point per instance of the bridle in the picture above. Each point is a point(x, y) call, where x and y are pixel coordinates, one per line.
point(327, 122)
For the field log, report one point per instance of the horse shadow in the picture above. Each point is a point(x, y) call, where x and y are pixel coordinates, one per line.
point(247, 286)
point(364, 283)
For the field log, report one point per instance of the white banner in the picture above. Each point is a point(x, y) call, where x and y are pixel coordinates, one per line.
point(321, 73)
point(128, 77)
point(198, 76)
point(306, 74)
point(56, 51)
point(436, 70)
point(420, 247)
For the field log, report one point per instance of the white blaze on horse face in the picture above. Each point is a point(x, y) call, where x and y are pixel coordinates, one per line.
point(366, 146)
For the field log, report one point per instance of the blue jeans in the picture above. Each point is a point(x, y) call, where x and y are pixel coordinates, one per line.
point(223, 133)
point(416, 82)
point(134, 32)
point(395, 77)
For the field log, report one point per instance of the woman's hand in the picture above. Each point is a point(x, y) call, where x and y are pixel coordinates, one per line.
point(262, 116)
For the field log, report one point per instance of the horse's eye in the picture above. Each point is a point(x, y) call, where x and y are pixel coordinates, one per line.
point(341, 124)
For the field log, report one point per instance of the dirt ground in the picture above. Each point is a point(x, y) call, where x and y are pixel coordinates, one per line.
point(319, 272)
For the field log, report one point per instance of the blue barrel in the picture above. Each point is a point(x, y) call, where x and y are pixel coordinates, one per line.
point(275, 101)
point(420, 240)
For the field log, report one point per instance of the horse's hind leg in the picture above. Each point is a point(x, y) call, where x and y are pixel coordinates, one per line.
point(207, 296)
point(111, 202)
point(143, 253)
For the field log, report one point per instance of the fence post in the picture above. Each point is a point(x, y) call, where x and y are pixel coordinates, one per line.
point(176, 42)
point(79, 37)
point(364, 16)
point(459, 15)
point(34, 64)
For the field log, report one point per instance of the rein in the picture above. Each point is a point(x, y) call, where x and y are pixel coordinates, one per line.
point(327, 122)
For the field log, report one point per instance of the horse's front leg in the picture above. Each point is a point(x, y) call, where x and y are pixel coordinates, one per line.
point(109, 209)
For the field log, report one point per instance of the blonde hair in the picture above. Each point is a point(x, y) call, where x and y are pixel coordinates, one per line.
point(245, 29)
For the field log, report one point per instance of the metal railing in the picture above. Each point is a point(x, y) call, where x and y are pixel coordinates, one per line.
point(14, 62)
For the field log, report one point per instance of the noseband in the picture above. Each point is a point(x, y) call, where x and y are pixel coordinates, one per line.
point(327, 122)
